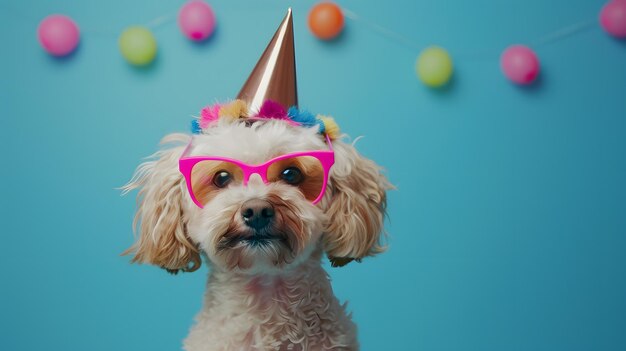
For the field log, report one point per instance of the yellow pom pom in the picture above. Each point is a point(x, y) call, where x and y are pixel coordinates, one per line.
point(234, 110)
point(331, 128)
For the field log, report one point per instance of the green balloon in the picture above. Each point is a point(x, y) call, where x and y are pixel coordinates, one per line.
point(138, 46)
point(434, 67)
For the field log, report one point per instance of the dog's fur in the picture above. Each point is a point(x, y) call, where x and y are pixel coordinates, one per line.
point(269, 297)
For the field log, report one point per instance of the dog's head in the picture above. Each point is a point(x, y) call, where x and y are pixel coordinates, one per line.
point(259, 225)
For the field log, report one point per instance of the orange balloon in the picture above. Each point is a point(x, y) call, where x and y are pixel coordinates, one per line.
point(326, 20)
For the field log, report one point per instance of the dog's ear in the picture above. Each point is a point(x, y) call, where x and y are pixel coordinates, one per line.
point(357, 207)
point(162, 239)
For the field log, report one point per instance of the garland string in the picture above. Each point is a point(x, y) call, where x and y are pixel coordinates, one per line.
point(481, 54)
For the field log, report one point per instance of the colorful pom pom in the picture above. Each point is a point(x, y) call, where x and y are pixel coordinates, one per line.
point(234, 110)
point(209, 115)
point(293, 112)
point(272, 109)
point(304, 118)
point(331, 128)
point(195, 127)
point(238, 109)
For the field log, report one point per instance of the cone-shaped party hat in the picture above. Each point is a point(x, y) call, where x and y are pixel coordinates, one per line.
point(274, 76)
point(270, 92)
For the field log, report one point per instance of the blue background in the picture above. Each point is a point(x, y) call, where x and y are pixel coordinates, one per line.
point(507, 231)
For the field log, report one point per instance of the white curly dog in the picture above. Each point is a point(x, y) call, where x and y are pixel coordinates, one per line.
point(263, 240)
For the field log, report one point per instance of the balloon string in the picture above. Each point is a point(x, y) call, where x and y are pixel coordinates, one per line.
point(381, 30)
point(161, 20)
point(152, 24)
point(549, 38)
point(565, 32)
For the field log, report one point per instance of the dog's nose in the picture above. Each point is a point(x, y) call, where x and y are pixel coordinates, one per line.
point(257, 213)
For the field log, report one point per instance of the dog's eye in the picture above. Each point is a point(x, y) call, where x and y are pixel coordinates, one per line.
point(292, 175)
point(221, 179)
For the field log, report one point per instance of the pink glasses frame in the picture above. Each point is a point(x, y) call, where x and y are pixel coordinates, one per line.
point(326, 158)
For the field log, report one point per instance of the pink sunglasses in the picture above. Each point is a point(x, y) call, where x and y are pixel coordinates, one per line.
point(307, 170)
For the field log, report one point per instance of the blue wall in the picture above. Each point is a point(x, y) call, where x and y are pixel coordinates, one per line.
point(507, 231)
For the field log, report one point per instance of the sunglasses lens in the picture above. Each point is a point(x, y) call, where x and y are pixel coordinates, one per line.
point(304, 172)
point(209, 176)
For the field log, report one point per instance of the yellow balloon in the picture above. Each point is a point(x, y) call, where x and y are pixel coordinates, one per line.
point(434, 67)
point(138, 46)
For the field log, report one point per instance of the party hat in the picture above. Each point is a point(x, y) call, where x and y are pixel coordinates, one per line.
point(274, 76)
point(270, 91)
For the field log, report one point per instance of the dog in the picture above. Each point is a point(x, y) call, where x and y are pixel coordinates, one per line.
point(263, 239)
point(261, 193)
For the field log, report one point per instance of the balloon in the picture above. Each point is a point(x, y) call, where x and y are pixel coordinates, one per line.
point(520, 64)
point(138, 46)
point(326, 20)
point(196, 20)
point(58, 35)
point(613, 18)
point(434, 67)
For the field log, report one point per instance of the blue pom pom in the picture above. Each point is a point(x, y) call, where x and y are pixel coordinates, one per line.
point(303, 117)
point(195, 127)
point(292, 112)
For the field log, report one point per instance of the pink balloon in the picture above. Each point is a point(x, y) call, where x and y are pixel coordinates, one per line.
point(58, 35)
point(196, 20)
point(520, 64)
point(613, 18)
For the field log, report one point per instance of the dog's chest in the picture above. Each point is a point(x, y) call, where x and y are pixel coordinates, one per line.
point(273, 315)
